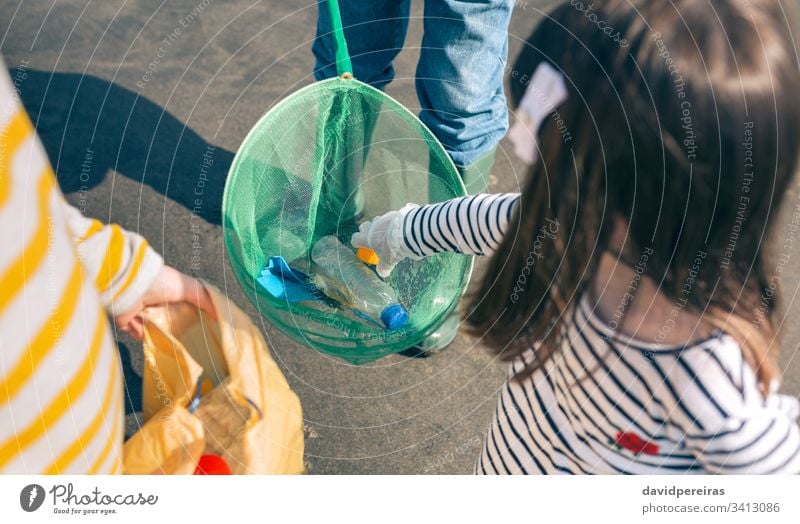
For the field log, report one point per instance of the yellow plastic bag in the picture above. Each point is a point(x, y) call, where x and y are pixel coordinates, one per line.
point(212, 387)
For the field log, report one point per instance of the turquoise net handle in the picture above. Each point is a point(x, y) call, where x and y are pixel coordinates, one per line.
point(343, 64)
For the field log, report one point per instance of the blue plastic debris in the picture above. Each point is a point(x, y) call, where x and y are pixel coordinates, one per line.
point(289, 284)
point(285, 283)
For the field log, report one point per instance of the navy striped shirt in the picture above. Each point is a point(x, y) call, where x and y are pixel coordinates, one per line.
point(609, 404)
point(473, 225)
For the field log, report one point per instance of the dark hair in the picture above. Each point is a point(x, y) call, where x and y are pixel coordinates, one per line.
point(682, 121)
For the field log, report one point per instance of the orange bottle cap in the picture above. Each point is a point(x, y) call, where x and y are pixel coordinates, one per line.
point(367, 256)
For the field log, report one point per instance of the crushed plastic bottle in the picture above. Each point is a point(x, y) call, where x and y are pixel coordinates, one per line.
point(366, 292)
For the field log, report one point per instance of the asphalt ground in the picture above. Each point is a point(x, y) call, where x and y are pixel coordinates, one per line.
point(131, 99)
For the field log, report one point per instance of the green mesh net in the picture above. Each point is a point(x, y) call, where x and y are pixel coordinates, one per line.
point(323, 160)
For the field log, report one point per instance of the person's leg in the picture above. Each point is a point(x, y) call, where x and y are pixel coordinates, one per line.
point(460, 81)
point(460, 89)
point(374, 30)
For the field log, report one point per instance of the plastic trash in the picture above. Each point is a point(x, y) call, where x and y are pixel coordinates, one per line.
point(368, 256)
point(320, 162)
point(212, 388)
point(212, 465)
point(293, 286)
point(286, 283)
point(361, 288)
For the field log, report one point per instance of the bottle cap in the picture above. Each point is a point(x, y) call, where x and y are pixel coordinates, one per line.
point(212, 465)
point(394, 316)
point(367, 256)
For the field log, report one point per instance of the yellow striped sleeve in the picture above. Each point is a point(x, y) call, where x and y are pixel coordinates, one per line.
point(95, 226)
point(112, 260)
point(62, 402)
point(45, 339)
point(113, 442)
point(55, 331)
point(120, 262)
point(134, 269)
point(13, 135)
point(74, 450)
point(13, 277)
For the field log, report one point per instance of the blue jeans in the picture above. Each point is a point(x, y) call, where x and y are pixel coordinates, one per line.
point(459, 77)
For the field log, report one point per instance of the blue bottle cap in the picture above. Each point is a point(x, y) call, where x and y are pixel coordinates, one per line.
point(394, 316)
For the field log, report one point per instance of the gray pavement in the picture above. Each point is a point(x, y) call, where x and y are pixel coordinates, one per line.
point(128, 98)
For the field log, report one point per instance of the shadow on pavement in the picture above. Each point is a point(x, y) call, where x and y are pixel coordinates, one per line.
point(89, 126)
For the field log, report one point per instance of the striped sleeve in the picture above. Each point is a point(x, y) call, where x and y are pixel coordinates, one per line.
point(754, 440)
point(728, 425)
point(61, 407)
point(120, 263)
point(473, 225)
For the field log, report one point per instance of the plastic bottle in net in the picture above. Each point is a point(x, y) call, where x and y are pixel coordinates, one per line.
point(366, 292)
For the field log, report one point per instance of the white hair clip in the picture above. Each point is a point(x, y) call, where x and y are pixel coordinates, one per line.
point(544, 93)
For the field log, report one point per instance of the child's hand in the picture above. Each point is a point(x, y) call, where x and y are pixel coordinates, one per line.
point(169, 286)
point(384, 235)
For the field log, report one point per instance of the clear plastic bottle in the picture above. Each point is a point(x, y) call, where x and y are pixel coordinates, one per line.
point(367, 292)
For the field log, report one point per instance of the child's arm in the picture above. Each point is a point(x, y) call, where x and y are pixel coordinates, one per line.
point(760, 437)
point(121, 263)
point(714, 402)
point(128, 274)
point(473, 225)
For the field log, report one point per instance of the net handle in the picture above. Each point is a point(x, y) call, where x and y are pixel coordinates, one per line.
point(343, 64)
